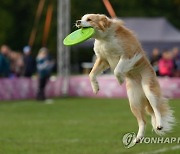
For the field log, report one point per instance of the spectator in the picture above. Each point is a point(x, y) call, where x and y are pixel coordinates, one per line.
point(44, 67)
point(16, 63)
point(4, 61)
point(166, 65)
point(29, 62)
point(155, 59)
point(176, 58)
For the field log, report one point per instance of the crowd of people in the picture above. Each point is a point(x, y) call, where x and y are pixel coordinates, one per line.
point(15, 64)
point(166, 63)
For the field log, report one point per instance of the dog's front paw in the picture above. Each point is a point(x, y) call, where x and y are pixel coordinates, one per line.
point(119, 76)
point(95, 88)
point(121, 80)
point(94, 84)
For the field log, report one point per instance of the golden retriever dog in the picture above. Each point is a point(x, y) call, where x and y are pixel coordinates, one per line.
point(116, 47)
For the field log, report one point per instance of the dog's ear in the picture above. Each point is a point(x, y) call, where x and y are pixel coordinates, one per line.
point(104, 23)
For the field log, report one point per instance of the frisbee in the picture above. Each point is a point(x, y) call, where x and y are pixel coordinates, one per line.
point(79, 36)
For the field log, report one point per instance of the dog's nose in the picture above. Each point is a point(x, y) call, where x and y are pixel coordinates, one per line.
point(78, 22)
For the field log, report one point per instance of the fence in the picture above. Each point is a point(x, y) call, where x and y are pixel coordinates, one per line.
point(25, 88)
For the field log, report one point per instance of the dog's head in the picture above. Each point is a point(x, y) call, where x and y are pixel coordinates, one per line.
point(97, 21)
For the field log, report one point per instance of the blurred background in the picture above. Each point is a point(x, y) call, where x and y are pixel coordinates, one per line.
point(36, 69)
point(27, 26)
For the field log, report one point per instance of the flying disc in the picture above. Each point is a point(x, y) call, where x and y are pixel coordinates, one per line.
point(79, 36)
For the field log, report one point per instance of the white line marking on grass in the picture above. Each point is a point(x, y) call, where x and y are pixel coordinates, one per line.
point(162, 150)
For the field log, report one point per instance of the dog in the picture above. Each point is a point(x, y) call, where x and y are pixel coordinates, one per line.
point(117, 48)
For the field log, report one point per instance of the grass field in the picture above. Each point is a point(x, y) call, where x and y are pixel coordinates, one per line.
point(75, 126)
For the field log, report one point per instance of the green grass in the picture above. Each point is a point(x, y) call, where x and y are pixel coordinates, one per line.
point(73, 126)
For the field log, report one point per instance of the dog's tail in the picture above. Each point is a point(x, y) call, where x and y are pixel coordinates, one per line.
point(168, 120)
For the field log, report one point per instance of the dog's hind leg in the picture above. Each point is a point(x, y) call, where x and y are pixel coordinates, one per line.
point(151, 113)
point(136, 100)
point(139, 114)
point(152, 92)
point(164, 119)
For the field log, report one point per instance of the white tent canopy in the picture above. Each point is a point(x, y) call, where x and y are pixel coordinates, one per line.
point(153, 29)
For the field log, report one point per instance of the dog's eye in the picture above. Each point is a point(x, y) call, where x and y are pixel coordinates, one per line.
point(88, 19)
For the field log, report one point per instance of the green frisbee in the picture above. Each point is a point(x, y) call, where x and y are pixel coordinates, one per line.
point(79, 36)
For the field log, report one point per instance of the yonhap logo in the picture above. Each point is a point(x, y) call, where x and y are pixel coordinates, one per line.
point(160, 140)
point(129, 140)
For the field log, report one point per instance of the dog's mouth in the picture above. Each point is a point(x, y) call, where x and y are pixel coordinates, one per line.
point(82, 24)
point(78, 24)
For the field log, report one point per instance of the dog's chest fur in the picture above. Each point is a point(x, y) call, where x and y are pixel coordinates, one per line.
point(109, 49)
